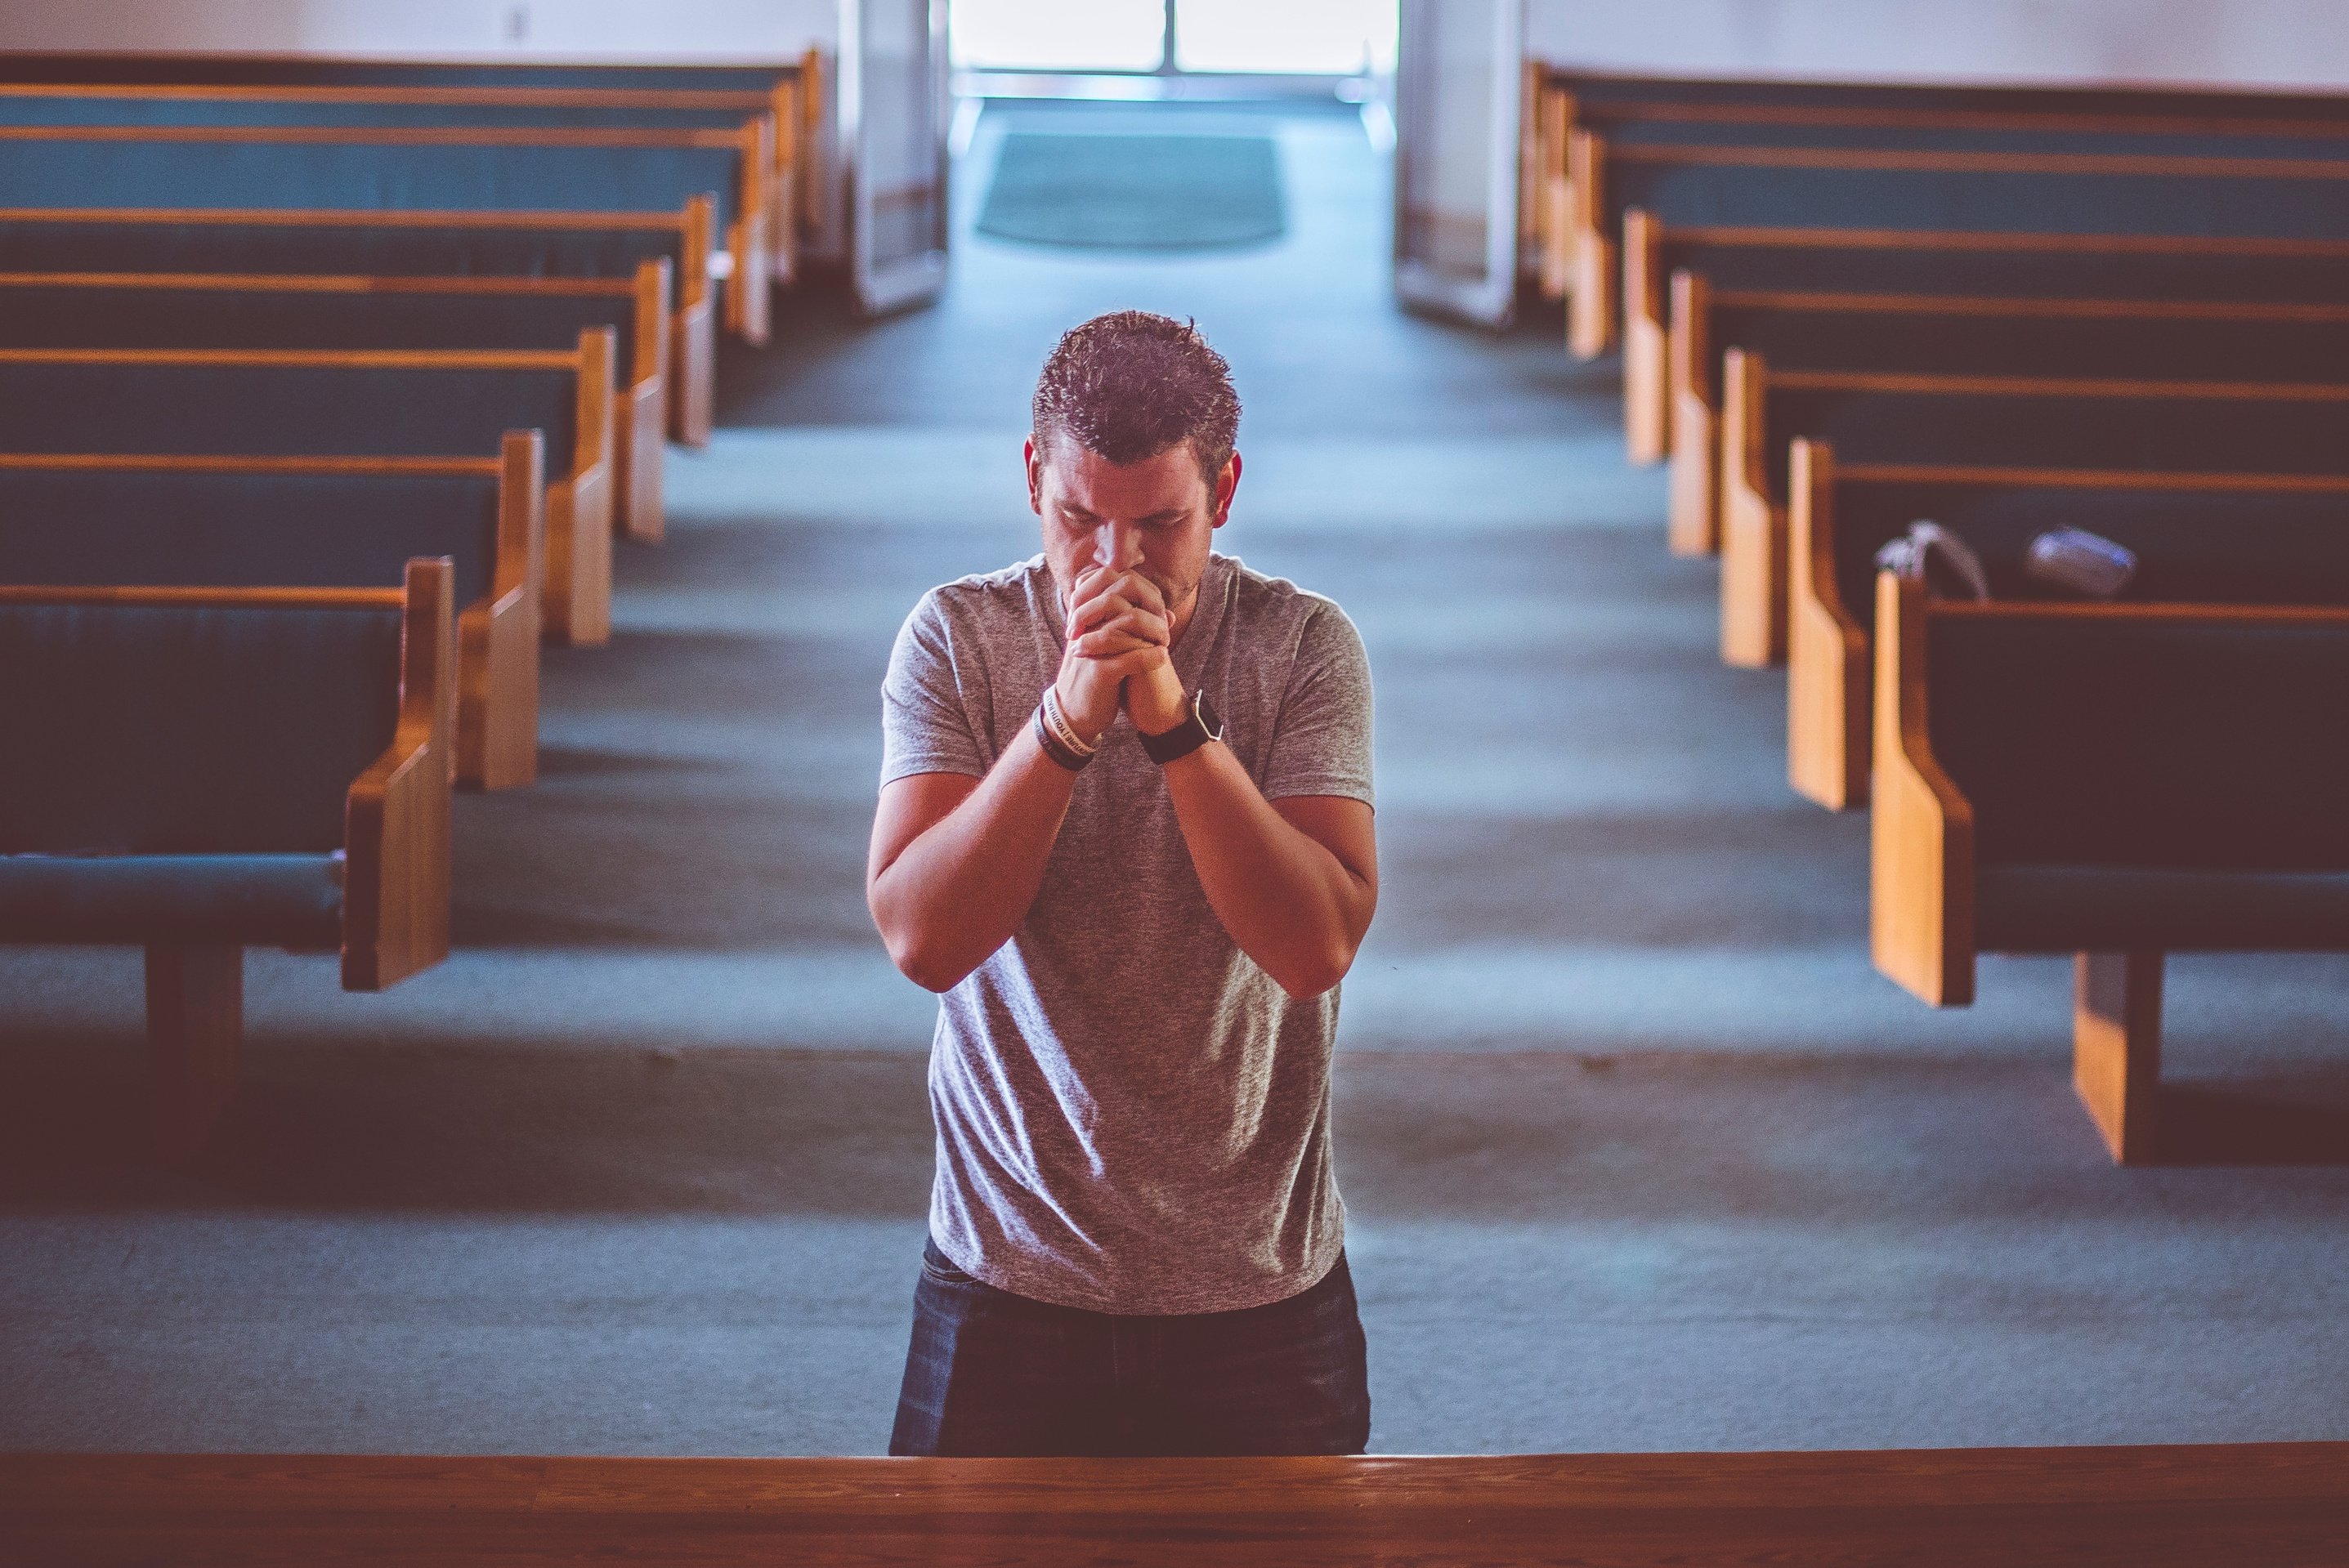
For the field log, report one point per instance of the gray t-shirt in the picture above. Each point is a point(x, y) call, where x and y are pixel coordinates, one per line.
point(1133, 1117)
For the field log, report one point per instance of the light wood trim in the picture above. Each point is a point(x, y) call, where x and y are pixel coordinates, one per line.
point(750, 290)
point(2059, 386)
point(2002, 305)
point(379, 136)
point(203, 463)
point(694, 396)
point(1828, 688)
point(1694, 514)
point(2116, 1049)
point(1753, 525)
point(498, 635)
point(1647, 400)
point(1591, 316)
point(328, 283)
point(2003, 239)
point(380, 359)
point(396, 877)
point(1617, 111)
point(578, 601)
point(698, 224)
point(1920, 830)
point(2312, 169)
point(359, 217)
point(195, 1040)
point(2092, 478)
point(204, 596)
point(460, 98)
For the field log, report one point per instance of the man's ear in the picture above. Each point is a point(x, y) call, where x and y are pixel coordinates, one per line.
point(1227, 483)
point(1035, 476)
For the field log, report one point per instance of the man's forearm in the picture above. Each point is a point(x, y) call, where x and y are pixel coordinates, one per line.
point(1287, 900)
point(957, 891)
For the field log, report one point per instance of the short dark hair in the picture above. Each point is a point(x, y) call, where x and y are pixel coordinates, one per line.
point(1129, 385)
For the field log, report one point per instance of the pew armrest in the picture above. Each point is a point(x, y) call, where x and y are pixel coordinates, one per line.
point(396, 817)
point(1826, 647)
point(1920, 827)
point(1752, 524)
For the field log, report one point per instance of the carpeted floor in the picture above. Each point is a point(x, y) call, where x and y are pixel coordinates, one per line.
point(1640, 1153)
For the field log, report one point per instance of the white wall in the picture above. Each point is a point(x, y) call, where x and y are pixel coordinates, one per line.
point(2250, 42)
point(571, 29)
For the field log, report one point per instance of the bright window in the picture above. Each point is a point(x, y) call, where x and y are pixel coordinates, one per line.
point(1336, 38)
point(1060, 34)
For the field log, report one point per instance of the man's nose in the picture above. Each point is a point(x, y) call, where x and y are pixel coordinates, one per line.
point(1117, 546)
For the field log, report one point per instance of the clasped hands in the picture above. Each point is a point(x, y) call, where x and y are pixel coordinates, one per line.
point(1121, 632)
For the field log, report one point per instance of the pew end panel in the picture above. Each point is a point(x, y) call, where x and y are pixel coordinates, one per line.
point(1920, 827)
point(1694, 426)
point(578, 601)
point(693, 334)
point(783, 104)
point(1827, 737)
point(395, 835)
point(1647, 354)
point(644, 412)
point(1591, 324)
point(498, 635)
point(1554, 195)
point(1753, 525)
point(2116, 1049)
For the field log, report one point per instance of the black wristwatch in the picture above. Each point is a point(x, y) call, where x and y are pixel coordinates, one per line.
point(1204, 724)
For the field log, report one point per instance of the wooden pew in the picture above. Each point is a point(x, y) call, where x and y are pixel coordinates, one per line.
point(1560, 102)
point(2000, 421)
point(396, 108)
point(1666, 366)
point(197, 770)
point(2054, 192)
point(2111, 339)
point(792, 90)
point(2116, 781)
point(280, 242)
point(322, 404)
point(2213, 537)
point(415, 168)
point(2148, 1507)
point(101, 521)
point(246, 310)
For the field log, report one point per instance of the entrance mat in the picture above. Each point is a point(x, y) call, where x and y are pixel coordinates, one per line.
point(1136, 192)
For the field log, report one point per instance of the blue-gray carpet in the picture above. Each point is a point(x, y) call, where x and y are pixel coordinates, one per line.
point(1639, 1152)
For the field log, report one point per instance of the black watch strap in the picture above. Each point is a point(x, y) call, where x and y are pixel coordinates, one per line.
point(1204, 724)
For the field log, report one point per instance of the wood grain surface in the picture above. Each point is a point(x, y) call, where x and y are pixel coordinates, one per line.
point(2259, 1503)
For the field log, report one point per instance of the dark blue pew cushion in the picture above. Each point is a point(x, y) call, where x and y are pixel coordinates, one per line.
point(208, 529)
point(2215, 435)
point(489, 250)
point(285, 410)
point(2118, 908)
point(182, 729)
point(2234, 547)
point(2145, 744)
point(442, 177)
point(75, 317)
point(276, 901)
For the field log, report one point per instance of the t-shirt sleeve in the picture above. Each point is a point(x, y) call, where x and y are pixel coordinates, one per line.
point(1321, 740)
point(925, 724)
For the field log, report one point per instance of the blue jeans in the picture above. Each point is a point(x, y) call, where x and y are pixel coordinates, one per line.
point(991, 1372)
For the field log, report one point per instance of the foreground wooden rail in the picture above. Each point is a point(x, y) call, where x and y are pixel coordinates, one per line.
point(2271, 1504)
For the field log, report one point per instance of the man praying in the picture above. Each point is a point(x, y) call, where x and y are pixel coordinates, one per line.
point(1125, 833)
